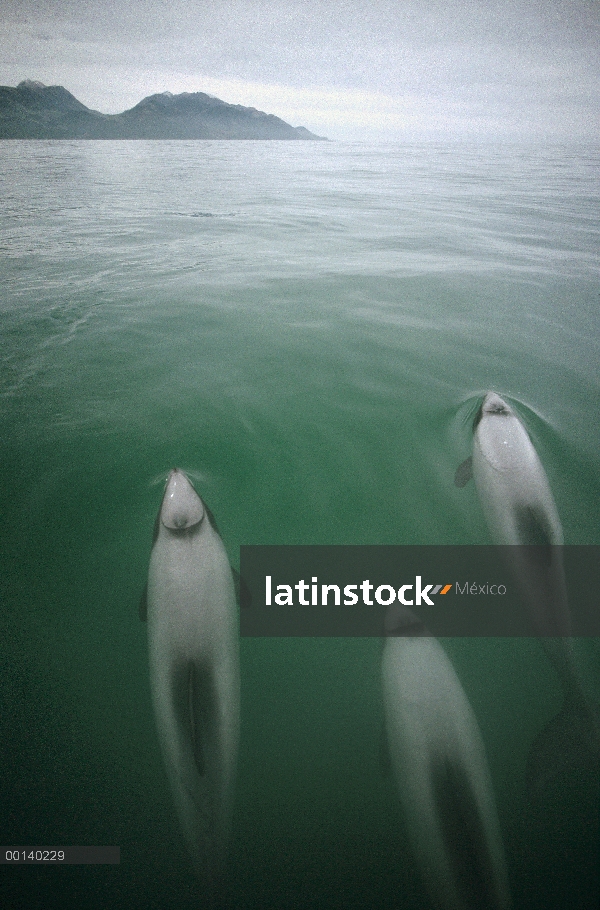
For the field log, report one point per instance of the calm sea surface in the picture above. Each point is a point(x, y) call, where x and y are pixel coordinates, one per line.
point(308, 328)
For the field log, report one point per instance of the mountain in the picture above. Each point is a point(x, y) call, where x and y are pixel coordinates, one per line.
point(36, 111)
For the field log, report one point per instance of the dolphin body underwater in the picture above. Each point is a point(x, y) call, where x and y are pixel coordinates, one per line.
point(440, 767)
point(190, 605)
point(521, 514)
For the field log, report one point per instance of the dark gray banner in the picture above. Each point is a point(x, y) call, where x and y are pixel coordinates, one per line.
point(403, 590)
point(59, 856)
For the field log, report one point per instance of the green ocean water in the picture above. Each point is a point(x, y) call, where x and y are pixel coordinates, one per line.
point(308, 329)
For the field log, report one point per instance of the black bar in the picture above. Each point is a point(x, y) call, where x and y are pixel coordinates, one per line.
point(480, 591)
point(59, 856)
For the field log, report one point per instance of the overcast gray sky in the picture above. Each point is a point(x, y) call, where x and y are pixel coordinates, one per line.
point(347, 69)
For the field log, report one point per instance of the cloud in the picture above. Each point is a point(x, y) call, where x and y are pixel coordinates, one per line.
point(344, 67)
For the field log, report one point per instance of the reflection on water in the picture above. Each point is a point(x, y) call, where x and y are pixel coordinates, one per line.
point(315, 351)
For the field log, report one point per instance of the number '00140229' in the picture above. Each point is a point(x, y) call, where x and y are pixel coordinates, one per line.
point(39, 855)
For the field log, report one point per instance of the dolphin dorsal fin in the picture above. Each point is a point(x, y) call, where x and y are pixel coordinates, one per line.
point(242, 591)
point(464, 833)
point(196, 725)
point(212, 519)
point(535, 536)
point(464, 472)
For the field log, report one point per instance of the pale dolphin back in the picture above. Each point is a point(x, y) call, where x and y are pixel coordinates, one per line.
point(194, 672)
point(441, 771)
point(522, 517)
point(511, 482)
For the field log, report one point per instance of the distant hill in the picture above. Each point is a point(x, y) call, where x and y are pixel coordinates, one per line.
point(36, 111)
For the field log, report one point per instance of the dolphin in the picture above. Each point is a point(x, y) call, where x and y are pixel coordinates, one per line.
point(438, 759)
point(194, 671)
point(520, 511)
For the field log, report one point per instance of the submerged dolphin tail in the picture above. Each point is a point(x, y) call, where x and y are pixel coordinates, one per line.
point(464, 834)
point(438, 760)
point(567, 746)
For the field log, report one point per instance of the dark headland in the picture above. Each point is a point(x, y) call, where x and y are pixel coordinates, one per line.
point(36, 111)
